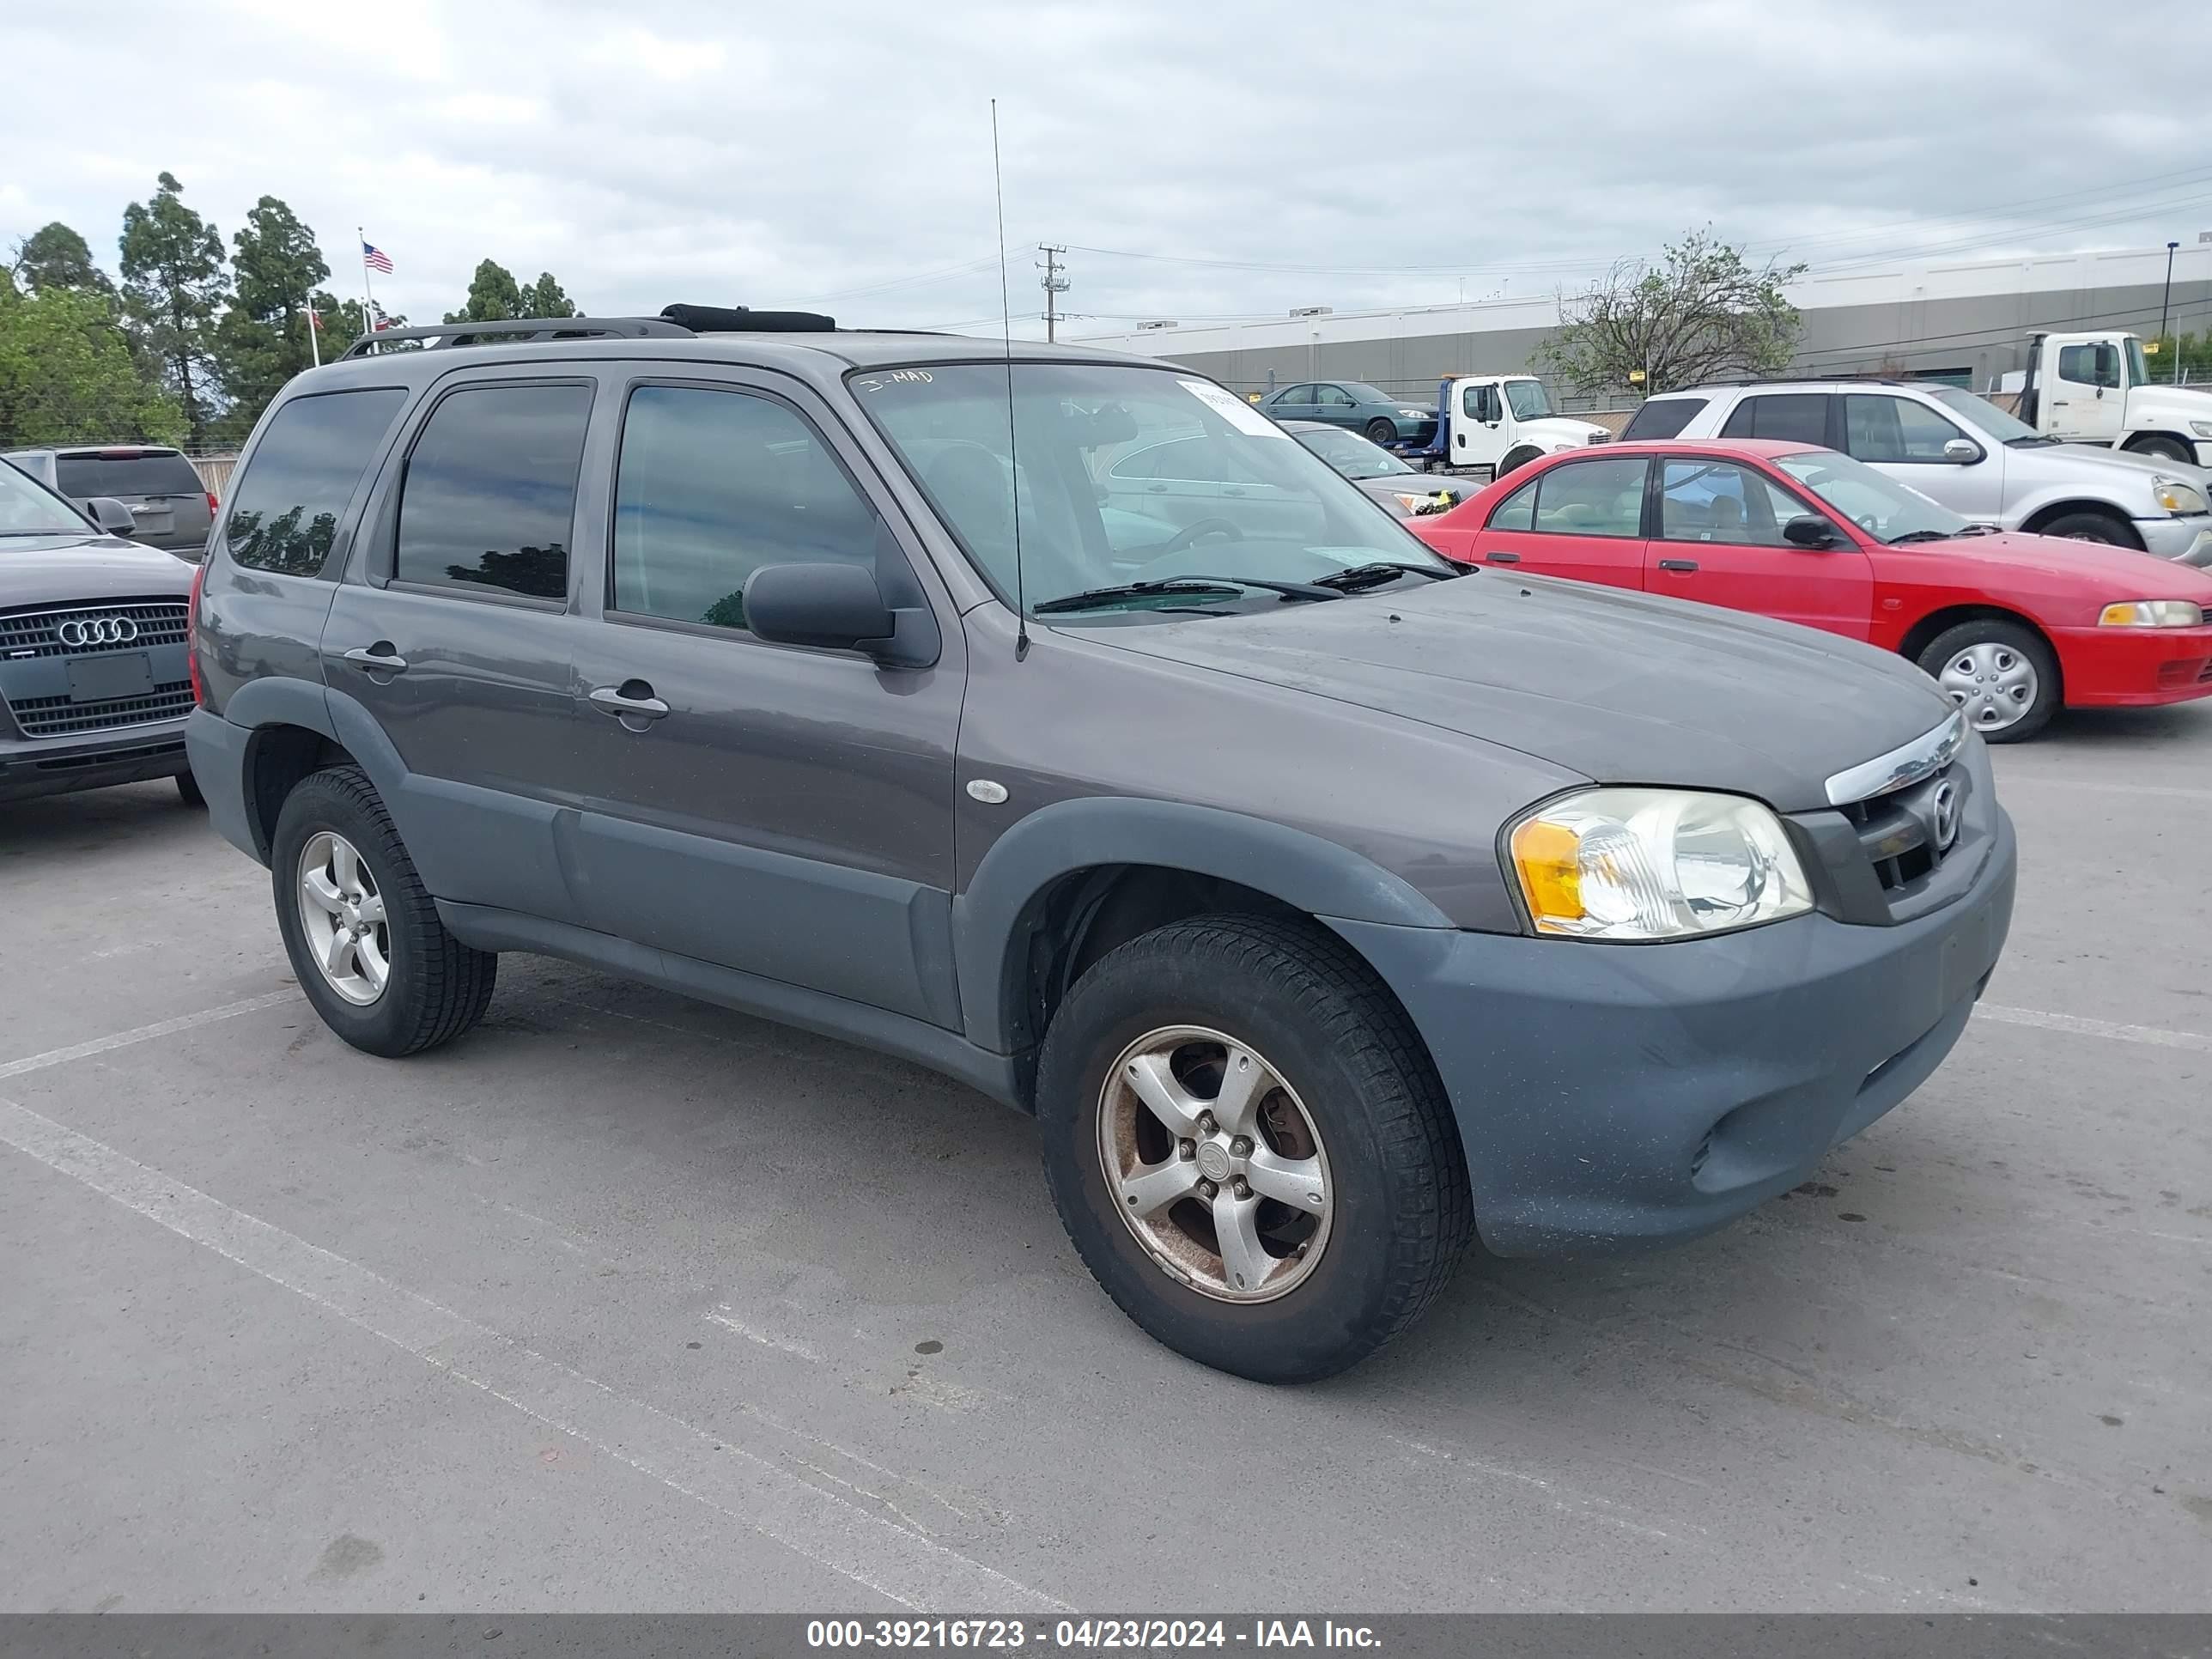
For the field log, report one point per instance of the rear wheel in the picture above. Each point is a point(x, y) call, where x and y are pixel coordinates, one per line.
point(2105, 527)
point(1250, 1148)
point(2001, 674)
point(188, 790)
point(1380, 431)
point(363, 935)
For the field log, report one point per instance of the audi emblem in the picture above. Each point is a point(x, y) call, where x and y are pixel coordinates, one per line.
point(80, 631)
point(1945, 812)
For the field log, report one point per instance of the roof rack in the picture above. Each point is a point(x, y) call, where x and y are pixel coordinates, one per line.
point(1866, 377)
point(553, 328)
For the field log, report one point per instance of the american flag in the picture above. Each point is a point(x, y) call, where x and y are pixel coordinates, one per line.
point(375, 258)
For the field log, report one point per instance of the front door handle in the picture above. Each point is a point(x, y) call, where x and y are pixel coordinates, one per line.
point(1156, 489)
point(1678, 564)
point(381, 658)
point(1501, 558)
point(631, 699)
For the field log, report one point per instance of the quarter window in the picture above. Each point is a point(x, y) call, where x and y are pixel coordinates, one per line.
point(1592, 498)
point(713, 486)
point(491, 495)
point(1878, 428)
point(285, 507)
point(1663, 417)
point(1800, 417)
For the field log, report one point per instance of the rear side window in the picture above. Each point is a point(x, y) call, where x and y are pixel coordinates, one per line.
point(713, 486)
point(1798, 417)
point(1662, 417)
point(491, 495)
point(285, 507)
point(128, 472)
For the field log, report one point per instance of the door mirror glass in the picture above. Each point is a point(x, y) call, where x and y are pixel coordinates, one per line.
point(1962, 451)
point(111, 515)
point(836, 607)
point(1807, 530)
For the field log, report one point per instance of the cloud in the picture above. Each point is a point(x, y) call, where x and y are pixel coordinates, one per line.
point(778, 155)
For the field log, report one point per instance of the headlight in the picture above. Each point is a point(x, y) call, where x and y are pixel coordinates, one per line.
point(1654, 864)
point(1413, 414)
point(2152, 613)
point(2202, 429)
point(2176, 497)
point(1418, 503)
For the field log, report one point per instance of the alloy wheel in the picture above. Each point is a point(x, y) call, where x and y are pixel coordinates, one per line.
point(342, 914)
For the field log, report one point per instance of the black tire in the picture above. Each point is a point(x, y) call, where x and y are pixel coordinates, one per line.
point(1402, 1213)
point(2050, 694)
point(437, 987)
point(1380, 431)
point(188, 790)
point(2164, 448)
point(2105, 527)
point(1513, 462)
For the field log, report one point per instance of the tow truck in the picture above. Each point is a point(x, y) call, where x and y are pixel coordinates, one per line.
point(2096, 388)
point(1490, 424)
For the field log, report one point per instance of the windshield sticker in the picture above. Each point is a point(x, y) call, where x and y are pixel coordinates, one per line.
point(896, 376)
point(1233, 409)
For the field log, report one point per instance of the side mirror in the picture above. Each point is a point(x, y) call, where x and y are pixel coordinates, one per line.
point(836, 607)
point(1962, 451)
point(1806, 531)
point(111, 515)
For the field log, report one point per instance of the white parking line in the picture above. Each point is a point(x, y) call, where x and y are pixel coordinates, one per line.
point(868, 1549)
point(145, 1033)
point(2157, 1036)
point(2016, 779)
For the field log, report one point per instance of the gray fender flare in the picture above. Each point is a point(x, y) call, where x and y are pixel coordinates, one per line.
point(991, 918)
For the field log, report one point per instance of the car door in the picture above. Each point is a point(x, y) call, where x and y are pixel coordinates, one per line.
point(780, 811)
point(1293, 404)
point(1582, 519)
point(2085, 397)
point(1478, 424)
point(1719, 541)
point(1912, 442)
point(1335, 405)
point(455, 635)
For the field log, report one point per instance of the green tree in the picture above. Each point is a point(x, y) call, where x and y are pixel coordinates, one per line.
point(493, 296)
point(262, 341)
point(343, 324)
point(54, 256)
point(1700, 312)
point(172, 284)
point(68, 375)
point(544, 298)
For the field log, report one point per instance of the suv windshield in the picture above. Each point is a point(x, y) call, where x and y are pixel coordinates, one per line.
point(27, 510)
point(1528, 400)
point(1123, 474)
point(1352, 454)
point(1879, 506)
point(1982, 412)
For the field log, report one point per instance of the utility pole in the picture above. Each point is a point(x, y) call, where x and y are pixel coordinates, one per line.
point(2162, 302)
point(1055, 284)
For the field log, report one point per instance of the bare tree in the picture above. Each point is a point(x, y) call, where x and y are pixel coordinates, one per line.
point(1699, 313)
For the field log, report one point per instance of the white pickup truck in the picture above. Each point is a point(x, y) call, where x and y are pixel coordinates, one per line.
point(1489, 424)
point(2097, 389)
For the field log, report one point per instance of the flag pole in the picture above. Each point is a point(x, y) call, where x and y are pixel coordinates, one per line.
point(314, 330)
point(368, 312)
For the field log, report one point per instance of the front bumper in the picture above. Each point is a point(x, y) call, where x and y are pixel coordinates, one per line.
point(1613, 1097)
point(2134, 667)
point(2186, 541)
point(60, 766)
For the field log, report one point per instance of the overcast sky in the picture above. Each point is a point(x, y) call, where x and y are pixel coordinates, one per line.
point(1205, 158)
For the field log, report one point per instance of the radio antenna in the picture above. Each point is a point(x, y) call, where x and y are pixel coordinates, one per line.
point(1013, 457)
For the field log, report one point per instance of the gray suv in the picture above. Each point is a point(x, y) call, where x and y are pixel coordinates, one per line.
point(170, 507)
point(1329, 906)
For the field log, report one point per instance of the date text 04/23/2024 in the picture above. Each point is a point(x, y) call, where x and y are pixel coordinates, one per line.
point(1087, 1635)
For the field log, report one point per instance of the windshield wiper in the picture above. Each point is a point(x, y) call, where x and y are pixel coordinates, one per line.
point(1360, 577)
point(1923, 536)
point(57, 531)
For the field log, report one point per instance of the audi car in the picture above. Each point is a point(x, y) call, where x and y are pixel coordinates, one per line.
point(94, 679)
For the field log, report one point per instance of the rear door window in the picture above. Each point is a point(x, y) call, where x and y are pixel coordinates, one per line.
point(1518, 510)
point(490, 496)
point(1798, 417)
point(285, 507)
point(128, 473)
point(1662, 417)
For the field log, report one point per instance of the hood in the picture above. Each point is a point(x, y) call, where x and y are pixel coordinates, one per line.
point(2173, 405)
point(2115, 572)
point(1621, 687)
point(2075, 464)
point(1556, 430)
point(63, 568)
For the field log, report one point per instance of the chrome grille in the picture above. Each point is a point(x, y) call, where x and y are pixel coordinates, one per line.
point(38, 633)
point(60, 717)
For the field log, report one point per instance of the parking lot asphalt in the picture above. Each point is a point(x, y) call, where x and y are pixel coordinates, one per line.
point(626, 1303)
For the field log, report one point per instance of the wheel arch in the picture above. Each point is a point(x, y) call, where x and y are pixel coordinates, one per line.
point(1516, 458)
point(1925, 632)
point(2138, 440)
point(2050, 512)
point(1070, 882)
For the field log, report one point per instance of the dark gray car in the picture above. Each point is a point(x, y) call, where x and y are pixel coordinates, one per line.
point(94, 680)
point(170, 507)
point(1328, 905)
point(1404, 493)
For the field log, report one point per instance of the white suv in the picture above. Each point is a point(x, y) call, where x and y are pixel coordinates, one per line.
point(1963, 452)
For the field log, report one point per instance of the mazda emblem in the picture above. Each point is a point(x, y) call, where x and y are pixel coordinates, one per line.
point(1944, 810)
point(80, 631)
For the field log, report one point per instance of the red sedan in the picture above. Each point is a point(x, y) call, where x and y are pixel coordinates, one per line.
point(2013, 626)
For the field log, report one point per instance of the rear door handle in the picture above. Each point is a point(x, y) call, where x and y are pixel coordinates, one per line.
point(1500, 558)
point(1678, 564)
point(379, 656)
point(632, 699)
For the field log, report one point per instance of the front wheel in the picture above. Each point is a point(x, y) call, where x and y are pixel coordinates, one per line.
point(363, 934)
point(2001, 674)
point(1380, 431)
point(2164, 449)
point(1250, 1147)
point(2091, 527)
point(1513, 462)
